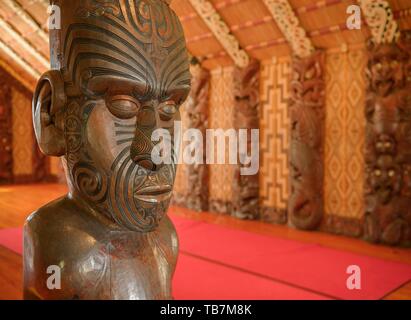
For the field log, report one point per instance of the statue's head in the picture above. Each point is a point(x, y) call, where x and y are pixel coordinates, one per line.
point(119, 71)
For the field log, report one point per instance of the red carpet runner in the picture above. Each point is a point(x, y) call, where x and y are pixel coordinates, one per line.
point(221, 263)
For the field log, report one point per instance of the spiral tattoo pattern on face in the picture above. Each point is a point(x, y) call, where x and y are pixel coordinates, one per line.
point(90, 182)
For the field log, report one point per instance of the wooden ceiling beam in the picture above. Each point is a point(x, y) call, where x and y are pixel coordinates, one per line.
point(221, 31)
point(17, 9)
point(26, 46)
point(289, 25)
point(19, 60)
point(380, 19)
point(317, 5)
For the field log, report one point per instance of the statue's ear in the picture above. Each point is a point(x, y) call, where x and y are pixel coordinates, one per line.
point(49, 102)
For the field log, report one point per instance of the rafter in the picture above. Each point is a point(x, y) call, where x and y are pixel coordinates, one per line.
point(289, 25)
point(9, 30)
point(19, 60)
point(221, 31)
point(18, 10)
point(381, 21)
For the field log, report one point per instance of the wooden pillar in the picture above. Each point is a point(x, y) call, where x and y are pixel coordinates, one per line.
point(246, 116)
point(307, 115)
point(6, 134)
point(197, 114)
point(388, 143)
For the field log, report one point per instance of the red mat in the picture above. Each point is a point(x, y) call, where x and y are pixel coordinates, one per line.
point(196, 279)
point(310, 266)
point(12, 239)
point(222, 263)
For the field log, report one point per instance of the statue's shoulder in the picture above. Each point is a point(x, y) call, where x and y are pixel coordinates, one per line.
point(59, 226)
point(57, 208)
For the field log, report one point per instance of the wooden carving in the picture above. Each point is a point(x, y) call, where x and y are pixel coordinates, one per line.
point(197, 113)
point(246, 116)
point(388, 143)
point(6, 135)
point(307, 139)
point(120, 71)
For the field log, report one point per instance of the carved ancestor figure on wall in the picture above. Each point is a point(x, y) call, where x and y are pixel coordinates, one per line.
point(388, 143)
point(246, 116)
point(120, 71)
point(6, 134)
point(197, 114)
point(307, 141)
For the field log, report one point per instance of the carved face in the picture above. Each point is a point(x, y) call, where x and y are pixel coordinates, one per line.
point(385, 178)
point(128, 72)
point(385, 144)
point(307, 80)
point(386, 68)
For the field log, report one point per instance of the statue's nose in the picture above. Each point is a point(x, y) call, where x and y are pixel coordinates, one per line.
point(142, 146)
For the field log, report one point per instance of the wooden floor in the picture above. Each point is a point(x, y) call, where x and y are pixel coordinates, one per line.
point(17, 202)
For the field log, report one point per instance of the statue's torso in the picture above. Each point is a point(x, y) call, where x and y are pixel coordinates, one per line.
point(96, 260)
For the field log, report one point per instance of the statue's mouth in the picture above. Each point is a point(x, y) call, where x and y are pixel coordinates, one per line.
point(154, 194)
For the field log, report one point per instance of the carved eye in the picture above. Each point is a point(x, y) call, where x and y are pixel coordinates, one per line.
point(377, 173)
point(387, 145)
point(378, 66)
point(167, 110)
point(123, 107)
point(391, 173)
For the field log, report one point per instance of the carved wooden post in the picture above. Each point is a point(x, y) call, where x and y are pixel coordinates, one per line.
point(246, 116)
point(6, 136)
point(307, 140)
point(197, 113)
point(388, 143)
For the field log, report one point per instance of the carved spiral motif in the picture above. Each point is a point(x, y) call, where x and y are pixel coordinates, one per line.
point(90, 182)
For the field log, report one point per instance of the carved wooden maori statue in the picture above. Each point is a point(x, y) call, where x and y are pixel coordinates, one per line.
point(246, 116)
point(119, 71)
point(307, 141)
point(197, 113)
point(388, 143)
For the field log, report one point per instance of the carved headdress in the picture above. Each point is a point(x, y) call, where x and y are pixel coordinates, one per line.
point(133, 39)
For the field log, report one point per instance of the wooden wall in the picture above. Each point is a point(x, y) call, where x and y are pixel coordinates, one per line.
point(344, 141)
point(20, 159)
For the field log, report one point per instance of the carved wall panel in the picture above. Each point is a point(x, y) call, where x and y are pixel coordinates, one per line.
point(6, 134)
point(221, 115)
point(22, 134)
point(180, 189)
point(388, 144)
point(274, 140)
point(246, 116)
point(307, 113)
point(197, 116)
point(344, 141)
